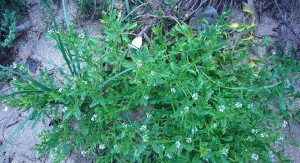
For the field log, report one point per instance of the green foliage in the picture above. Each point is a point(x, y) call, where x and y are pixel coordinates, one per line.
point(8, 26)
point(8, 21)
point(92, 8)
point(183, 96)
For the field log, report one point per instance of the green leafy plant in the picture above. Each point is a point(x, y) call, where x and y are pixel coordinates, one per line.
point(185, 96)
point(8, 20)
point(8, 24)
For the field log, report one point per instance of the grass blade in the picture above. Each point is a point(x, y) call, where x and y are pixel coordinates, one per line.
point(65, 13)
point(112, 78)
point(20, 92)
point(58, 38)
point(127, 6)
point(28, 78)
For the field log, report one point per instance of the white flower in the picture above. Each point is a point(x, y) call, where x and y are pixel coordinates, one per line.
point(188, 140)
point(195, 96)
point(163, 147)
point(148, 115)
point(101, 146)
point(83, 153)
point(116, 147)
point(146, 97)
point(145, 138)
point(152, 73)
point(284, 124)
point(264, 135)
point(136, 43)
point(5, 109)
point(254, 131)
point(64, 109)
point(93, 117)
point(270, 152)
point(136, 153)
point(60, 90)
point(169, 156)
point(73, 87)
point(139, 64)
point(254, 156)
point(178, 144)
point(173, 90)
point(50, 32)
point(281, 138)
point(221, 108)
point(225, 151)
point(194, 130)
point(238, 105)
point(143, 127)
point(14, 65)
point(186, 109)
point(250, 106)
point(124, 125)
point(181, 112)
point(215, 125)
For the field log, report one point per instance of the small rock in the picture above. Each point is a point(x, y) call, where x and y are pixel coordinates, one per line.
point(118, 5)
point(33, 64)
point(24, 26)
point(24, 55)
point(210, 14)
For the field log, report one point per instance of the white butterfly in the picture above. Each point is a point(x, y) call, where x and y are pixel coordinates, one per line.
point(136, 43)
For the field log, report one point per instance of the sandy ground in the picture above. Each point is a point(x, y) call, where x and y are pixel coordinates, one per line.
point(39, 48)
point(19, 149)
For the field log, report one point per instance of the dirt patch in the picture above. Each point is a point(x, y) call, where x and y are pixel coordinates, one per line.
point(19, 149)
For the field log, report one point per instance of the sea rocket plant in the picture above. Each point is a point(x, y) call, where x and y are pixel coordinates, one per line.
point(179, 96)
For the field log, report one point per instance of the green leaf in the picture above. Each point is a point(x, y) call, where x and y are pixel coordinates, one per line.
point(94, 102)
point(141, 149)
point(188, 147)
point(157, 149)
point(77, 115)
point(85, 130)
point(196, 159)
point(224, 160)
point(201, 112)
point(227, 138)
point(282, 104)
point(67, 115)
